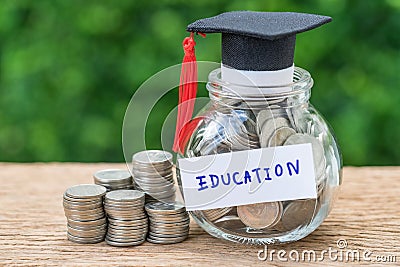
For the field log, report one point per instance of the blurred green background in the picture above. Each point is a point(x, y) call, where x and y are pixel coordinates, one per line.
point(69, 68)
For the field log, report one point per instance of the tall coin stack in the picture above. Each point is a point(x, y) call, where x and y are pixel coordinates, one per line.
point(152, 170)
point(114, 179)
point(83, 207)
point(127, 221)
point(169, 223)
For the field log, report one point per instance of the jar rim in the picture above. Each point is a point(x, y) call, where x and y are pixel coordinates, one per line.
point(302, 82)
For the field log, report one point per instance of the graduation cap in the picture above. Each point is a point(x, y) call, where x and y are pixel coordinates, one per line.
point(259, 45)
point(257, 50)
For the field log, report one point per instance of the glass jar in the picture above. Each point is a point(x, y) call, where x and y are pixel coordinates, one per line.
point(263, 117)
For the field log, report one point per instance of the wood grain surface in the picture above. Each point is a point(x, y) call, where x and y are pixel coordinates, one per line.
point(33, 226)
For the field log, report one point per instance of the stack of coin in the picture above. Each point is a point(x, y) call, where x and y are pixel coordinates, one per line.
point(152, 170)
point(114, 179)
point(83, 207)
point(169, 223)
point(127, 221)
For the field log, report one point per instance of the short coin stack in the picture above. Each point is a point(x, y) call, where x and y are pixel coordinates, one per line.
point(169, 223)
point(114, 179)
point(152, 170)
point(83, 207)
point(127, 221)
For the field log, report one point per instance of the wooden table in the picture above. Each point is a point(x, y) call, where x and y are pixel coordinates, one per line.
point(33, 226)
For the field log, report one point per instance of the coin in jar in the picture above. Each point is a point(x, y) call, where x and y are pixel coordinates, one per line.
point(317, 149)
point(279, 137)
point(260, 215)
point(298, 213)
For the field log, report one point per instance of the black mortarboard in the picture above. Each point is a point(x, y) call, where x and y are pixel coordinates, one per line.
point(258, 41)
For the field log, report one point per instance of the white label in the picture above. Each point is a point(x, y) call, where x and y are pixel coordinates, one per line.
point(248, 177)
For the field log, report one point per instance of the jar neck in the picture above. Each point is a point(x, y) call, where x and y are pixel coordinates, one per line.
point(290, 95)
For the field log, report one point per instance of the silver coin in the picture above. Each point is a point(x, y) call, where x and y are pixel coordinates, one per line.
point(85, 240)
point(262, 117)
point(115, 184)
point(86, 191)
point(280, 135)
point(111, 176)
point(152, 157)
point(260, 215)
point(269, 127)
point(100, 221)
point(81, 207)
point(125, 205)
point(127, 211)
point(317, 149)
point(274, 111)
point(166, 241)
point(86, 219)
point(126, 215)
point(124, 195)
point(163, 228)
point(87, 227)
point(162, 191)
point(83, 211)
point(87, 233)
point(148, 173)
point(119, 222)
point(168, 236)
point(122, 240)
point(163, 194)
point(298, 213)
point(127, 232)
point(137, 240)
point(215, 214)
point(165, 208)
point(90, 217)
point(168, 214)
point(130, 227)
point(170, 233)
point(166, 220)
point(161, 188)
point(154, 182)
point(82, 201)
point(127, 202)
point(124, 244)
point(114, 187)
point(159, 165)
point(158, 223)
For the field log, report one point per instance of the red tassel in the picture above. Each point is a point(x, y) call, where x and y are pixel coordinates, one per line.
point(187, 90)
